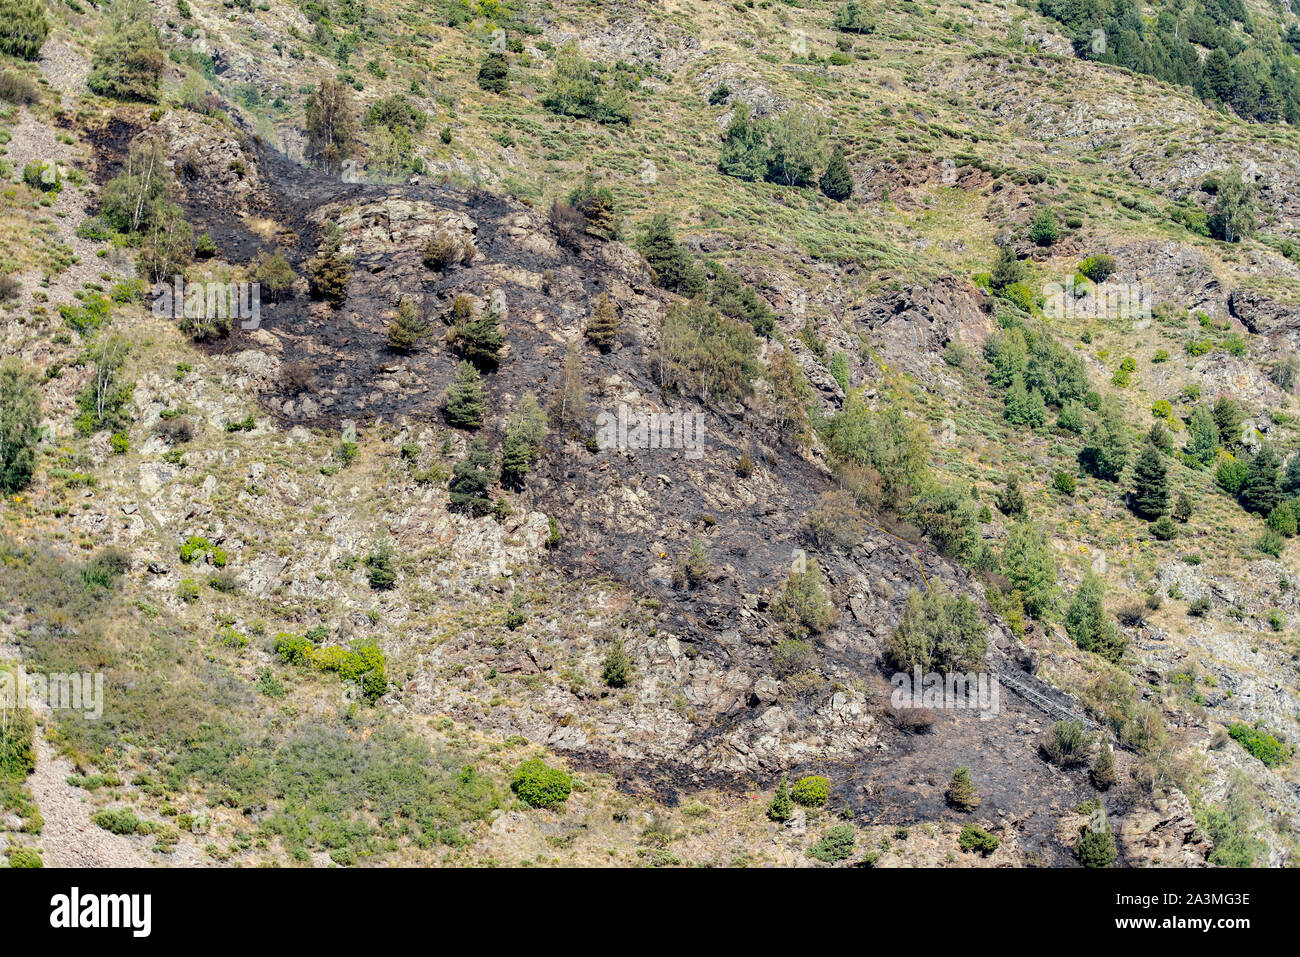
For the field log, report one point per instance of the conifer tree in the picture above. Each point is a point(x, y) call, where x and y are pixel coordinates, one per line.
point(603, 324)
point(781, 808)
point(1087, 623)
point(1103, 769)
point(466, 402)
point(1150, 483)
point(837, 181)
point(1261, 493)
point(961, 791)
point(406, 331)
point(470, 480)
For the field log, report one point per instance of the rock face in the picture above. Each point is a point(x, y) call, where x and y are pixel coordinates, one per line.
point(1163, 835)
point(210, 158)
point(1265, 316)
point(912, 326)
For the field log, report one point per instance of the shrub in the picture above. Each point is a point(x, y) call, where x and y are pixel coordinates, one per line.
point(975, 838)
point(811, 791)
point(119, 821)
point(1261, 744)
point(274, 274)
point(1043, 230)
point(1271, 543)
point(1099, 267)
point(23, 28)
point(108, 565)
point(1064, 482)
point(887, 441)
point(442, 250)
point(539, 785)
point(836, 520)
point(803, 605)
point(1231, 473)
point(24, 857)
point(835, 845)
point(1067, 744)
point(706, 354)
point(128, 61)
point(17, 752)
point(937, 632)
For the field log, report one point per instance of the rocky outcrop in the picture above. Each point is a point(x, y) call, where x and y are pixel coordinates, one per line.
point(1163, 834)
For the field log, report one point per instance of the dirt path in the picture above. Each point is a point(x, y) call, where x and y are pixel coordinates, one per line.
point(69, 839)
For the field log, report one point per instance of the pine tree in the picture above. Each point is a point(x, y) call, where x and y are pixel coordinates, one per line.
point(1202, 435)
point(781, 808)
point(1007, 270)
point(494, 73)
point(466, 402)
point(480, 339)
point(1183, 507)
point(406, 331)
point(1228, 418)
point(470, 480)
point(525, 430)
point(569, 407)
point(744, 151)
point(1087, 623)
point(1105, 451)
point(1096, 846)
point(603, 324)
point(1291, 478)
point(1261, 492)
point(1010, 500)
point(837, 181)
point(1103, 769)
point(616, 669)
point(671, 263)
point(961, 791)
point(1024, 406)
point(1151, 483)
point(1029, 565)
